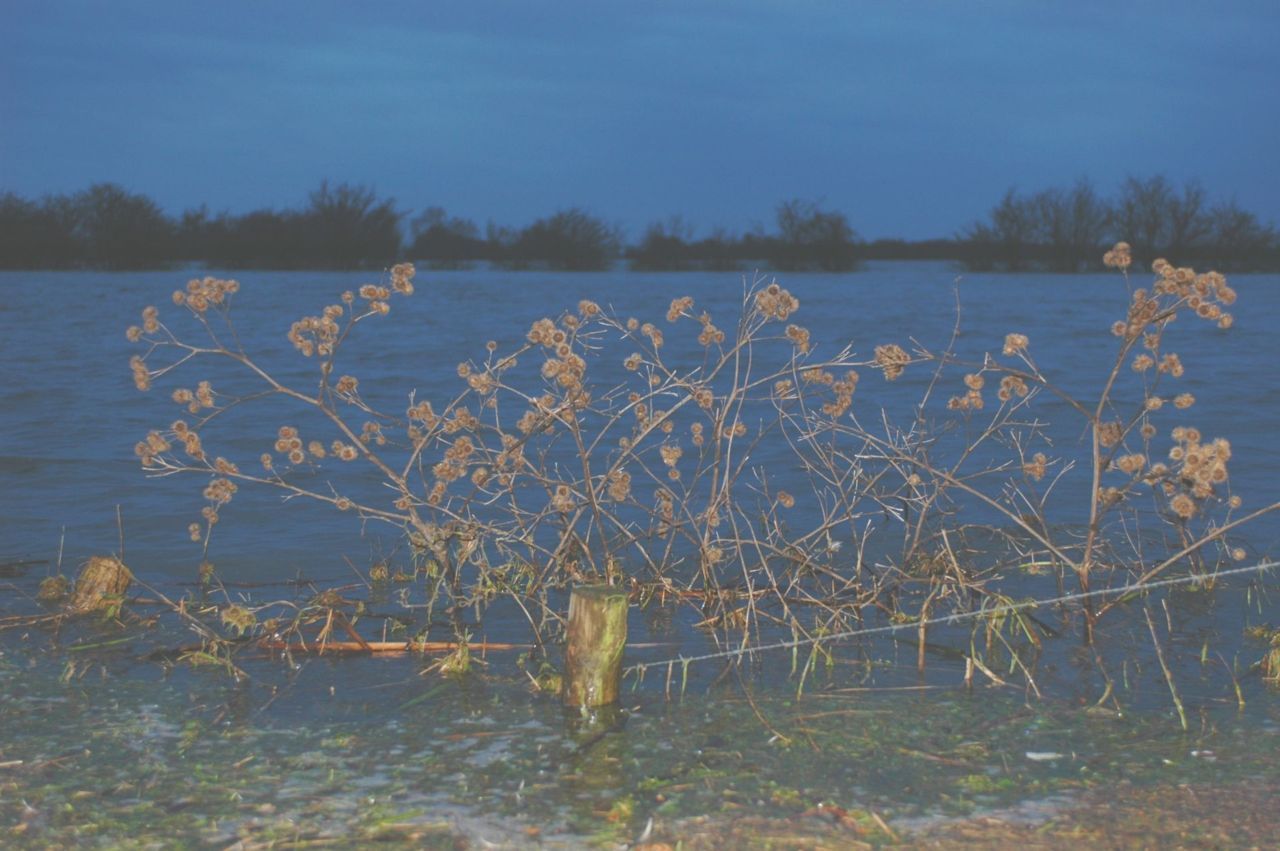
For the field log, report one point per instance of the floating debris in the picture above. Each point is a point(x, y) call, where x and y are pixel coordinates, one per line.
point(102, 584)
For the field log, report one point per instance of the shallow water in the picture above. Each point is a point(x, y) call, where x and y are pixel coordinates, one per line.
point(102, 744)
point(194, 759)
point(69, 415)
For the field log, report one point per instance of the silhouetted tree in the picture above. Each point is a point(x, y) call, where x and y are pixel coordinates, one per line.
point(446, 242)
point(103, 226)
point(812, 238)
point(122, 230)
point(262, 239)
point(571, 239)
point(347, 227)
point(500, 245)
point(1238, 241)
point(195, 235)
point(1070, 226)
point(721, 251)
point(1007, 239)
point(342, 227)
point(1158, 222)
point(1066, 230)
point(666, 247)
point(38, 235)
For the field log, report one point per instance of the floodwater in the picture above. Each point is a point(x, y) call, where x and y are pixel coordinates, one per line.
point(102, 743)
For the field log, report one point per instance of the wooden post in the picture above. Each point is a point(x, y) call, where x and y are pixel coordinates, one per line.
point(597, 637)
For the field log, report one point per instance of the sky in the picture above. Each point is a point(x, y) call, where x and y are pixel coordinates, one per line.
point(912, 118)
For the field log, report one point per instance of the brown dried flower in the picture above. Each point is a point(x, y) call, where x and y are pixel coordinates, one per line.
point(679, 306)
point(1118, 257)
point(892, 358)
point(799, 337)
point(1183, 506)
point(1035, 468)
point(1015, 343)
point(1109, 434)
point(774, 302)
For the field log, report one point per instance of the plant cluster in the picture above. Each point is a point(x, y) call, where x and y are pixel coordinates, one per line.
point(752, 480)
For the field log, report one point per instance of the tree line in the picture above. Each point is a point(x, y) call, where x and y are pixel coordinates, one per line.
point(1062, 229)
point(349, 227)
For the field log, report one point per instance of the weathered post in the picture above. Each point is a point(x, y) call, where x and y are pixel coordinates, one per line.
point(597, 637)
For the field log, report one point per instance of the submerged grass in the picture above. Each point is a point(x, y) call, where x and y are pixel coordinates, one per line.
point(127, 760)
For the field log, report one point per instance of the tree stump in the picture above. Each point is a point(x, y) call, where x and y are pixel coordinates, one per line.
point(597, 636)
point(102, 582)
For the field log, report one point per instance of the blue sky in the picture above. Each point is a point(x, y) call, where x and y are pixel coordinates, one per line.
point(911, 117)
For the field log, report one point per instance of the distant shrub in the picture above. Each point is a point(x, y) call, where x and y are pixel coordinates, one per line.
point(571, 240)
point(810, 238)
point(445, 242)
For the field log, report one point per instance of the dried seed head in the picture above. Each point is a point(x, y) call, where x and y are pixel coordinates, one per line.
point(679, 306)
point(1183, 506)
point(1171, 364)
point(1010, 386)
point(799, 338)
point(774, 302)
point(1015, 343)
point(670, 454)
point(1118, 257)
point(1131, 464)
point(892, 358)
point(1109, 434)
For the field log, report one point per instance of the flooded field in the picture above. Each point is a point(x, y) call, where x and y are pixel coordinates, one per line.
point(100, 747)
point(118, 732)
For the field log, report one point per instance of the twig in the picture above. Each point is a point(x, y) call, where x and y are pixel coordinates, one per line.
point(1168, 675)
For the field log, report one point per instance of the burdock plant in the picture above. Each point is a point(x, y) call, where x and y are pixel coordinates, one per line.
point(545, 468)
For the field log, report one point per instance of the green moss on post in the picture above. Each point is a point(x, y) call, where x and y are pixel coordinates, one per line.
point(597, 637)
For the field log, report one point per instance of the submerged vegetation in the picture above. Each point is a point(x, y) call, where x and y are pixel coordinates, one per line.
point(135, 765)
point(738, 468)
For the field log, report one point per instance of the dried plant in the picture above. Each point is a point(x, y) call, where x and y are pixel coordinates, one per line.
point(538, 472)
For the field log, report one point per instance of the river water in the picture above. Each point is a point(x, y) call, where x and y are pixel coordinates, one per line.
point(360, 749)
